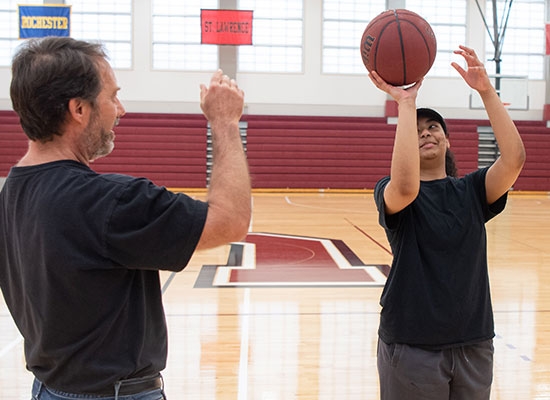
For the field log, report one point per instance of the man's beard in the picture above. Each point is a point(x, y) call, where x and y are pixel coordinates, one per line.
point(106, 148)
point(98, 145)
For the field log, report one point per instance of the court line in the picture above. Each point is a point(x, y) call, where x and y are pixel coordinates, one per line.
point(370, 237)
point(168, 282)
point(245, 342)
point(242, 391)
point(251, 214)
point(234, 314)
point(173, 274)
point(499, 339)
point(292, 203)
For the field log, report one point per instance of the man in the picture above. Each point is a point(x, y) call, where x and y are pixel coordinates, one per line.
point(436, 325)
point(80, 252)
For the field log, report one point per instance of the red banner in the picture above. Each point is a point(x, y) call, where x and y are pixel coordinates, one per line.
point(226, 27)
point(547, 39)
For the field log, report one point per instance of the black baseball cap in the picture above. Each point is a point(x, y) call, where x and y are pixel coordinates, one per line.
point(433, 115)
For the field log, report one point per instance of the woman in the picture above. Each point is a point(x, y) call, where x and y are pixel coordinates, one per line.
point(436, 325)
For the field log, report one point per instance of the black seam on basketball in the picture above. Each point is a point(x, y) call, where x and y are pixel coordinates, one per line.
point(382, 29)
point(402, 45)
point(422, 35)
point(426, 44)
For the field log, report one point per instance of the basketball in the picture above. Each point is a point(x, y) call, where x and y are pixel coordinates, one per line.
point(399, 45)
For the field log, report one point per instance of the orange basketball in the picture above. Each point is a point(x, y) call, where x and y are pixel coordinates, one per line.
point(399, 45)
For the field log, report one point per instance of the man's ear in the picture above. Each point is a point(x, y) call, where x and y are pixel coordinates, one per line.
point(78, 110)
point(448, 143)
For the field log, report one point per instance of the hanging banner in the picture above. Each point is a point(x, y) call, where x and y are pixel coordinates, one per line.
point(44, 20)
point(547, 39)
point(226, 27)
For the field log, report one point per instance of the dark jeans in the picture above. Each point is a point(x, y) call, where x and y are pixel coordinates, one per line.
point(459, 373)
point(41, 392)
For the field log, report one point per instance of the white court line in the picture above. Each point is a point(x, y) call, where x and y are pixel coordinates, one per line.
point(242, 392)
point(332, 209)
point(14, 343)
point(245, 340)
point(252, 214)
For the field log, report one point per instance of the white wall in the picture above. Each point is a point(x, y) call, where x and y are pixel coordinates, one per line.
point(309, 93)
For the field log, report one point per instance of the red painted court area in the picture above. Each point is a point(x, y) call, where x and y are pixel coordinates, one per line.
point(281, 260)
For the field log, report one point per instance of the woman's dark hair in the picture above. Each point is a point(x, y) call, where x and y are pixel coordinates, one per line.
point(450, 164)
point(46, 74)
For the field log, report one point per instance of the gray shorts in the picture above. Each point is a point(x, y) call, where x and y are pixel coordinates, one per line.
point(459, 373)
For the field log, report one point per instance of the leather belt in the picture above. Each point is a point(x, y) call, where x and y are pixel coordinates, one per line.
point(132, 386)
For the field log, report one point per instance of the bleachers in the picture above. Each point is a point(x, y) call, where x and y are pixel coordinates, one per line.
point(535, 175)
point(316, 158)
point(169, 149)
point(331, 152)
point(317, 152)
point(13, 142)
point(284, 152)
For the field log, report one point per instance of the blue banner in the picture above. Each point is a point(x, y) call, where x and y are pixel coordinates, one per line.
point(44, 20)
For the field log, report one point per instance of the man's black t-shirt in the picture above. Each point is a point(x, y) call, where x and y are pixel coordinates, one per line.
point(79, 259)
